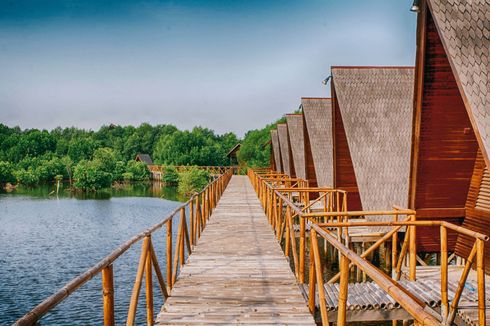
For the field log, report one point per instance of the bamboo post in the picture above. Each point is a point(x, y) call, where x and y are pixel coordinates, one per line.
point(302, 243)
point(191, 222)
point(133, 304)
point(182, 239)
point(169, 253)
point(108, 295)
point(394, 249)
point(149, 290)
point(197, 233)
point(480, 272)
point(186, 231)
point(319, 277)
point(444, 295)
point(343, 291)
point(293, 241)
point(312, 281)
point(413, 252)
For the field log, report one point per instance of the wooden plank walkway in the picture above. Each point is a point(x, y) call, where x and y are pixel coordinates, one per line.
point(237, 273)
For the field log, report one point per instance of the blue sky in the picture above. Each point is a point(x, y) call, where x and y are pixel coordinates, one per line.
point(226, 65)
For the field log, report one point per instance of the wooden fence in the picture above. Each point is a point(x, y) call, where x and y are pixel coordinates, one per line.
point(200, 207)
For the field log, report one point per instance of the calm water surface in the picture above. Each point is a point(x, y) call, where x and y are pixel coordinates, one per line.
point(46, 240)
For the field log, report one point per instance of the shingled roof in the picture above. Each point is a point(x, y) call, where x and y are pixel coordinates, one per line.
point(376, 104)
point(282, 130)
point(297, 140)
point(318, 117)
point(276, 149)
point(464, 28)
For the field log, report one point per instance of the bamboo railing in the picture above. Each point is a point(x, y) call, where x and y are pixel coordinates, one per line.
point(328, 223)
point(215, 170)
point(199, 206)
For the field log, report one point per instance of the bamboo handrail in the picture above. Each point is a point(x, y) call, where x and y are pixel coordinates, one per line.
point(147, 261)
point(275, 198)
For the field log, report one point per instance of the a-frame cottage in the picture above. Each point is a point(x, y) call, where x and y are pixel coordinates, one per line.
point(297, 142)
point(276, 150)
point(285, 147)
point(372, 107)
point(451, 135)
point(317, 124)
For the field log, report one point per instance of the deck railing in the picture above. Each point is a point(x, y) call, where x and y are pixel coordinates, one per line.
point(200, 207)
point(333, 224)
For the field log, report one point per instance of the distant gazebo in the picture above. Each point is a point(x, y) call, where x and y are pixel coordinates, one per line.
point(145, 158)
point(232, 154)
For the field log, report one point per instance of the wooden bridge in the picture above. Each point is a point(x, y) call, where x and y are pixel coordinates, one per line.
point(237, 274)
point(246, 264)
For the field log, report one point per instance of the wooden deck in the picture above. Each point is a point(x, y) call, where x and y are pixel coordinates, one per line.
point(237, 273)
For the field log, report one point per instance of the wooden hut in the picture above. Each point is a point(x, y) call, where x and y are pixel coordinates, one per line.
point(232, 154)
point(317, 124)
point(145, 158)
point(297, 141)
point(451, 143)
point(372, 110)
point(276, 150)
point(285, 146)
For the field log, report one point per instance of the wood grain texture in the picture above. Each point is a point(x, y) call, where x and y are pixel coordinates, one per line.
point(237, 273)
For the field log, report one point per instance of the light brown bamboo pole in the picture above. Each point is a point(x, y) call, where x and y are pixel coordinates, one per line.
point(403, 253)
point(480, 273)
point(413, 253)
point(319, 277)
point(186, 231)
point(191, 222)
point(444, 295)
point(293, 241)
point(178, 245)
point(182, 241)
point(302, 249)
point(158, 272)
point(343, 291)
point(169, 253)
point(108, 295)
point(133, 304)
point(312, 281)
point(287, 236)
point(198, 218)
point(149, 290)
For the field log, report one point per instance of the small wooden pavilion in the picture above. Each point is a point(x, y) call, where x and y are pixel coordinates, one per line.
point(145, 158)
point(371, 110)
point(285, 146)
point(276, 151)
point(297, 141)
point(232, 154)
point(318, 141)
point(451, 131)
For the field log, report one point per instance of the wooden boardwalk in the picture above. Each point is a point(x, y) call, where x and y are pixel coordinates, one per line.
point(237, 273)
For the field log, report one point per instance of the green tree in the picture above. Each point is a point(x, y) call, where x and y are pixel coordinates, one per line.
point(170, 175)
point(6, 172)
point(90, 176)
point(139, 170)
point(193, 180)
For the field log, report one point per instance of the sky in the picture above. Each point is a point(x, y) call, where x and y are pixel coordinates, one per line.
point(226, 65)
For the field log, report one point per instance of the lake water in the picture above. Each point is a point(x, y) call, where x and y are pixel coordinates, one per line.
point(46, 240)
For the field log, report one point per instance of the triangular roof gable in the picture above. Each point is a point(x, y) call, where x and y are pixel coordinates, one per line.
point(282, 130)
point(297, 141)
point(376, 104)
point(464, 30)
point(318, 117)
point(276, 149)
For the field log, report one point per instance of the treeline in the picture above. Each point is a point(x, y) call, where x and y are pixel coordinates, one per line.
point(95, 159)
